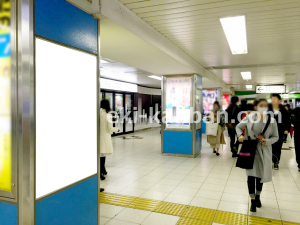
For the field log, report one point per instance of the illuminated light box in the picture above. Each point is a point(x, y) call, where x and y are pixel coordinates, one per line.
point(117, 85)
point(66, 119)
point(178, 102)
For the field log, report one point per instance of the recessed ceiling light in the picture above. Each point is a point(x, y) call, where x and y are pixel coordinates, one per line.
point(103, 61)
point(249, 86)
point(246, 75)
point(235, 31)
point(155, 77)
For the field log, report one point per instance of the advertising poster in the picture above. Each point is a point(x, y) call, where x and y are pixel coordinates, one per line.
point(5, 98)
point(198, 106)
point(209, 97)
point(178, 102)
point(226, 101)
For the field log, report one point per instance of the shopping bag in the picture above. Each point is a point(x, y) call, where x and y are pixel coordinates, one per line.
point(212, 129)
point(246, 154)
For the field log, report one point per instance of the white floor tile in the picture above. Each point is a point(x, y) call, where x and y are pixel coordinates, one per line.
point(160, 219)
point(133, 215)
point(267, 213)
point(288, 205)
point(233, 207)
point(242, 199)
point(109, 211)
point(119, 222)
point(163, 188)
point(180, 199)
point(291, 216)
point(185, 191)
point(104, 220)
point(205, 203)
point(209, 194)
point(156, 195)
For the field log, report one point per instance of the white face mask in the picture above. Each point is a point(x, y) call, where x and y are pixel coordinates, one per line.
point(262, 110)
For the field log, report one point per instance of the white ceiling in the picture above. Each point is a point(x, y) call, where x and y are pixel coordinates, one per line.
point(273, 34)
point(121, 45)
point(133, 59)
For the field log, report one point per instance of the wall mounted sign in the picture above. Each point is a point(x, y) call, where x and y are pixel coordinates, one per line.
point(117, 85)
point(271, 89)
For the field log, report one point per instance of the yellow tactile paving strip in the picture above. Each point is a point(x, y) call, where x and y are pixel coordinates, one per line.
point(190, 215)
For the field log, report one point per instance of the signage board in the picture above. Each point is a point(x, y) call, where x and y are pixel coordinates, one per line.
point(5, 100)
point(117, 85)
point(291, 96)
point(178, 102)
point(271, 89)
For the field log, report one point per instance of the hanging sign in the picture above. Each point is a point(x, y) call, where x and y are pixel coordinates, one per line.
point(270, 89)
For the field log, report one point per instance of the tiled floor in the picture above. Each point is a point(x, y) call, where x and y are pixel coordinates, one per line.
point(138, 169)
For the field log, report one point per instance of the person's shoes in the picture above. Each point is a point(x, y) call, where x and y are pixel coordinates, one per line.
point(105, 173)
point(101, 189)
point(276, 167)
point(102, 177)
point(258, 202)
point(253, 206)
point(214, 151)
point(217, 153)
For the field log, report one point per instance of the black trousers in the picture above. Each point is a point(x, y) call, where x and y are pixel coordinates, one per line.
point(254, 186)
point(276, 150)
point(102, 165)
point(297, 144)
point(232, 135)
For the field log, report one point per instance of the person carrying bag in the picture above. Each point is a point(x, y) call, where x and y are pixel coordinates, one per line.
point(247, 152)
point(261, 171)
point(215, 130)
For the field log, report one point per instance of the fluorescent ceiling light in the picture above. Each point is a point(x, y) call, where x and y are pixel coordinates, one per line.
point(155, 77)
point(246, 75)
point(103, 61)
point(235, 31)
point(249, 86)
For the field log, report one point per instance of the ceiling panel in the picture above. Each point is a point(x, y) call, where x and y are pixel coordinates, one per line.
point(273, 34)
point(240, 7)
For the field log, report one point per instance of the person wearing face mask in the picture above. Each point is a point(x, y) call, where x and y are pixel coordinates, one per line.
point(257, 124)
point(215, 141)
point(283, 120)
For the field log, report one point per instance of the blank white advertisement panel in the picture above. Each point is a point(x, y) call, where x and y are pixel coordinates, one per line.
point(66, 119)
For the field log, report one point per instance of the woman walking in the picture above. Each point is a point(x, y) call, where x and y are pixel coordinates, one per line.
point(262, 168)
point(215, 141)
point(106, 128)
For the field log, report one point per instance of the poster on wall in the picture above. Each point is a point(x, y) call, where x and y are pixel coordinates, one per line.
point(5, 98)
point(225, 101)
point(178, 102)
point(209, 97)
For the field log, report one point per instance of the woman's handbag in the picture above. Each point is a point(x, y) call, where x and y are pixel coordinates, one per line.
point(247, 152)
point(212, 129)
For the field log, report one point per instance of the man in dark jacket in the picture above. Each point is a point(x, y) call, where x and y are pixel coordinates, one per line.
point(233, 112)
point(282, 118)
point(295, 115)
